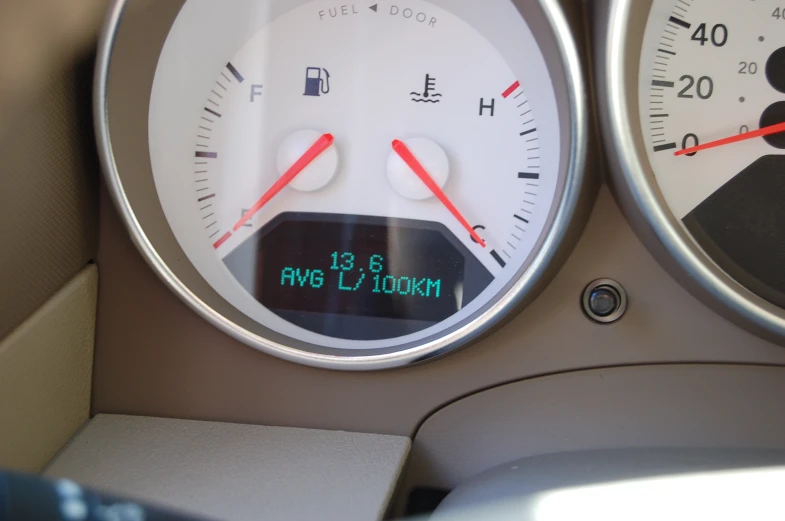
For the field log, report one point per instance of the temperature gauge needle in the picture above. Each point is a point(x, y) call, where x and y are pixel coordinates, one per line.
point(765, 131)
point(322, 144)
point(403, 151)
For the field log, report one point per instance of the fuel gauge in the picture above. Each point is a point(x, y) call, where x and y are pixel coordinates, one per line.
point(363, 177)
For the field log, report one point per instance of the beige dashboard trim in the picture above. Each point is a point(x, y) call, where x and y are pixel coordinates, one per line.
point(46, 369)
point(237, 472)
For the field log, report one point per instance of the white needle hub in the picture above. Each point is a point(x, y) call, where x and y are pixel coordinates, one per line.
point(432, 157)
point(316, 175)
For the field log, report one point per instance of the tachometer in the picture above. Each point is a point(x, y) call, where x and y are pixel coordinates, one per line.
point(368, 183)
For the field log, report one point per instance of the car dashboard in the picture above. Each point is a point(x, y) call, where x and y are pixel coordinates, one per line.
point(349, 259)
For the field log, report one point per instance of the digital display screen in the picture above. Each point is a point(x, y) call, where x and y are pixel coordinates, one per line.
point(358, 277)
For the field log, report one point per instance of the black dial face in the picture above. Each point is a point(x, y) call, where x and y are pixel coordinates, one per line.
point(356, 277)
point(742, 227)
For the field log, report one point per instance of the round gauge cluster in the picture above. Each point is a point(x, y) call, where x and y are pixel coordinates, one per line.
point(710, 112)
point(366, 184)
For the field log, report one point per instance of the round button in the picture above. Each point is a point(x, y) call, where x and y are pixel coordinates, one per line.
point(316, 175)
point(604, 301)
point(432, 157)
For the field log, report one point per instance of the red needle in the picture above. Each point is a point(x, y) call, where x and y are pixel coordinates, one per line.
point(322, 144)
point(765, 131)
point(403, 151)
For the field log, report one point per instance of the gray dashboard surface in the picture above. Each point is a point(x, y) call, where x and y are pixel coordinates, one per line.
point(642, 407)
point(679, 484)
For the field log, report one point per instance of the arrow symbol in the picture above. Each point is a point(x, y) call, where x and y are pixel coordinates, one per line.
point(374, 8)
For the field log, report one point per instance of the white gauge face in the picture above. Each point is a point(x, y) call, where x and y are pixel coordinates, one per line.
point(712, 108)
point(355, 176)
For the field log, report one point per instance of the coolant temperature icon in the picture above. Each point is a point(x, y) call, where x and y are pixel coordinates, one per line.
point(315, 85)
point(429, 94)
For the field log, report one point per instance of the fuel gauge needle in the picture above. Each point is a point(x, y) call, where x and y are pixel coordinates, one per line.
point(765, 131)
point(321, 144)
point(403, 151)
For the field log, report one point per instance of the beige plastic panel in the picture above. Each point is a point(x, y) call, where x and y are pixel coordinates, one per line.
point(237, 472)
point(669, 406)
point(36, 38)
point(156, 357)
point(48, 193)
point(45, 374)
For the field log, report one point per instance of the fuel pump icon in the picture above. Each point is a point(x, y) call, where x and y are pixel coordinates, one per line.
point(315, 85)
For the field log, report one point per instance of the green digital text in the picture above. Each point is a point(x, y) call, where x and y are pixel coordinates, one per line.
point(349, 273)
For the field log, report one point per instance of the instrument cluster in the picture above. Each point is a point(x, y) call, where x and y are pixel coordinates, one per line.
point(369, 185)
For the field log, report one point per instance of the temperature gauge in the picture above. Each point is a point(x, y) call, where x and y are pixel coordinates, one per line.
point(364, 179)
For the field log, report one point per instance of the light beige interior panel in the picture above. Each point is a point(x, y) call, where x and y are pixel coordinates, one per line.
point(156, 357)
point(45, 376)
point(49, 230)
point(237, 472)
point(48, 193)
